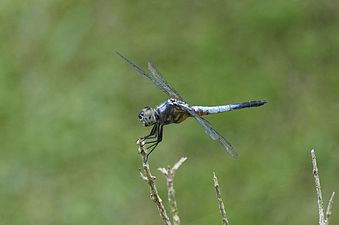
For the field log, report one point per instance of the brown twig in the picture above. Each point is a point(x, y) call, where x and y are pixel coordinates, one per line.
point(318, 189)
point(169, 174)
point(149, 178)
point(329, 209)
point(220, 201)
point(323, 220)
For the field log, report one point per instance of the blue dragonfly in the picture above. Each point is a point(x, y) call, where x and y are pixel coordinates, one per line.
point(176, 110)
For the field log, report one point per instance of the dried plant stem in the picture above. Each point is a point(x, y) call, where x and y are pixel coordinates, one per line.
point(318, 189)
point(169, 174)
point(220, 201)
point(329, 209)
point(323, 219)
point(149, 178)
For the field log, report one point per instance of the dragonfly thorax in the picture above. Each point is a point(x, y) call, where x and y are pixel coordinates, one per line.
point(147, 116)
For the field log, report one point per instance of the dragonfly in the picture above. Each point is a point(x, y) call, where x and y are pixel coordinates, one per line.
point(176, 110)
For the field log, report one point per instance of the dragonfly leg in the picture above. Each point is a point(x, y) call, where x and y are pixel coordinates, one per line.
point(152, 140)
point(157, 141)
point(152, 134)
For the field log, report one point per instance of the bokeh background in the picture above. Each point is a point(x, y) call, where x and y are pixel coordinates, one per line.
point(68, 109)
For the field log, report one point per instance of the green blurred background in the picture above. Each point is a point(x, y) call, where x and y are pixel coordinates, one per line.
point(68, 108)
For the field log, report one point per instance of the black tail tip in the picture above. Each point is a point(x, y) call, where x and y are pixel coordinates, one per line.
point(262, 102)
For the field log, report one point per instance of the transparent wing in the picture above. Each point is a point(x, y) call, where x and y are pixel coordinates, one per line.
point(166, 87)
point(155, 77)
point(215, 135)
point(210, 130)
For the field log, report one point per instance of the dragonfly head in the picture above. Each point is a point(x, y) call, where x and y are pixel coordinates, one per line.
point(147, 116)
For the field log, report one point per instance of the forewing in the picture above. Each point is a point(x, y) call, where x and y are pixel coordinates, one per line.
point(155, 77)
point(165, 86)
point(211, 131)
